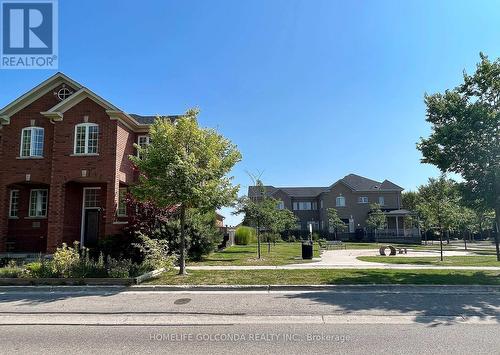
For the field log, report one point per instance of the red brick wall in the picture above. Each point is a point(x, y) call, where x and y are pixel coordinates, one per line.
point(63, 171)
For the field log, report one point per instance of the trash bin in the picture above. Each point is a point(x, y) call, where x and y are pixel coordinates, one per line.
point(307, 250)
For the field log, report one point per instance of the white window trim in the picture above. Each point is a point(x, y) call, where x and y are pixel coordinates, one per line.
point(337, 204)
point(363, 199)
point(82, 225)
point(31, 155)
point(118, 214)
point(10, 204)
point(46, 207)
point(139, 139)
point(86, 145)
point(381, 200)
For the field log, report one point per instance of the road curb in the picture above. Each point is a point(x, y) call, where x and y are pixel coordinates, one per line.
point(383, 288)
point(389, 288)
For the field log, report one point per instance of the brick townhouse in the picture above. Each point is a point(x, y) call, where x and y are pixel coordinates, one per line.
point(64, 167)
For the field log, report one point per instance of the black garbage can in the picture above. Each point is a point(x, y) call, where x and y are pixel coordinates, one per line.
point(307, 250)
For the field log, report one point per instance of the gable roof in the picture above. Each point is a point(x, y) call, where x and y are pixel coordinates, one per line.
point(135, 122)
point(354, 182)
point(34, 94)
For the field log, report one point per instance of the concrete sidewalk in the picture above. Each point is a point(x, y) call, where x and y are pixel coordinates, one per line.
point(347, 259)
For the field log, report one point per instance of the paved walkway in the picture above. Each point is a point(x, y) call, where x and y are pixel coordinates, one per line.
point(347, 259)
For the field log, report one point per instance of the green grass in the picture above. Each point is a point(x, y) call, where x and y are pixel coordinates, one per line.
point(329, 277)
point(435, 261)
point(243, 255)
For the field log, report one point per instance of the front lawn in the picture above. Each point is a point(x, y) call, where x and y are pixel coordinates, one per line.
point(435, 261)
point(329, 277)
point(281, 254)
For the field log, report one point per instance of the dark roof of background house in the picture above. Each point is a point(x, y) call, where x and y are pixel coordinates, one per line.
point(150, 119)
point(303, 191)
point(355, 182)
point(254, 191)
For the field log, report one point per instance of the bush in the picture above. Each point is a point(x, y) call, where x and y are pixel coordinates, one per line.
point(155, 253)
point(11, 270)
point(40, 269)
point(244, 235)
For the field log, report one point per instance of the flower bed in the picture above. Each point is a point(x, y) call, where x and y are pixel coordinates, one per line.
point(73, 266)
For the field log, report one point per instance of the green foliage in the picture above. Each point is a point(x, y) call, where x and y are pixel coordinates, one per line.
point(155, 252)
point(376, 218)
point(186, 166)
point(334, 221)
point(244, 235)
point(65, 259)
point(465, 135)
point(11, 270)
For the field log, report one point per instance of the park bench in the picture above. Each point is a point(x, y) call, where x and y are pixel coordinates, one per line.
point(334, 244)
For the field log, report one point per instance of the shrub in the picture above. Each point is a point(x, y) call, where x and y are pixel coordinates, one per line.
point(40, 269)
point(119, 268)
point(155, 253)
point(244, 235)
point(65, 259)
point(11, 270)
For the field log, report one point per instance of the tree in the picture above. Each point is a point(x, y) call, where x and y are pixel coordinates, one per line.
point(439, 202)
point(185, 166)
point(334, 221)
point(465, 135)
point(410, 200)
point(263, 214)
point(376, 218)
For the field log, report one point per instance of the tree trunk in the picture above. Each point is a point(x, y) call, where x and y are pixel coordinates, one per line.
point(497, 230)
point(258, 240)
point(441, 243)
point(182, 252)
point(465, 239)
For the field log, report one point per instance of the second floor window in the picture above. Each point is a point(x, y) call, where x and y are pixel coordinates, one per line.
point(302, 206)
point(86, 138)
point(143, 142)
point(340, 201)
point(32, 142)
point(281, 205)
point(362, 199)
point(381, 201)
point(38, 203)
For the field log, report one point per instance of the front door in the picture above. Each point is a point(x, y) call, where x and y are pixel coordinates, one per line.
point(91, 228)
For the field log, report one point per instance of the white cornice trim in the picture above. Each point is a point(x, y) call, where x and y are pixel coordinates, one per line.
point(37, 92)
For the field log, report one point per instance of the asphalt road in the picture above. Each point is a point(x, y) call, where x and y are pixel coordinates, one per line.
point(397, 320)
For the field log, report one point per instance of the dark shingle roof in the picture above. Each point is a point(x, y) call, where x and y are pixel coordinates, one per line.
point(355, 182)
point(360, 183)
point(150, 119)
point(254, 191)
point(303, 191)
point(389, 185)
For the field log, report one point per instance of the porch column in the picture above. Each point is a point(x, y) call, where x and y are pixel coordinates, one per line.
point(55, 228)
point(4, 210)
point(397, 226)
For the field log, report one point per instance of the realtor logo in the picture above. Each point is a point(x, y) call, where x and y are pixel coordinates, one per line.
point(29, 34)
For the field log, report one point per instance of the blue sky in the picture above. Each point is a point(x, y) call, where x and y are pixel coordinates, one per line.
point(309, 90)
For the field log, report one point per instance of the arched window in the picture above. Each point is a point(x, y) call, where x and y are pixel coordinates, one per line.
point(86, 138)
point(32, 142)
point(340, 201)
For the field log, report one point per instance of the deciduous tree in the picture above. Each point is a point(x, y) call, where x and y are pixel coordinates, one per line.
point(185, 166)
point(465, 135)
